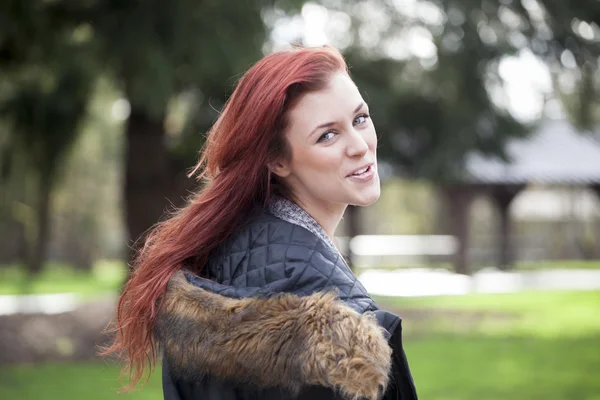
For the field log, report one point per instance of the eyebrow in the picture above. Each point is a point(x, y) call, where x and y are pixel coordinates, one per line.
point(329, 124)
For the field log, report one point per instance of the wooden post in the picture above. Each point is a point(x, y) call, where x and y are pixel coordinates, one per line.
point(503, 195)
point(596, 188)
point(459, 199)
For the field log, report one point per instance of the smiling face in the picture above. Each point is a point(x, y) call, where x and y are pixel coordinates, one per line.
point(333, 144)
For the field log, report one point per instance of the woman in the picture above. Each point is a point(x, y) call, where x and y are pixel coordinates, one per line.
point(243, 289)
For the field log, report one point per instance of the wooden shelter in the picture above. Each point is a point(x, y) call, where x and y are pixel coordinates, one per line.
point(555, 154)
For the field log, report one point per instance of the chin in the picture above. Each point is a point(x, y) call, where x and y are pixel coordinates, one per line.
point(366, 198)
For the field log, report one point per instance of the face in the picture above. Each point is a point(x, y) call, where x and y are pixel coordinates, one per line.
point(333, 148)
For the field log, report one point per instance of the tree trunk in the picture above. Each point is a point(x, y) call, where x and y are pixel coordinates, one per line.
point(587, 94)
point(37, 254)
point(147, 176)
point(13, 247)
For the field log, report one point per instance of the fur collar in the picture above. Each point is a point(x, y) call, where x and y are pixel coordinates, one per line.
point(283, 341)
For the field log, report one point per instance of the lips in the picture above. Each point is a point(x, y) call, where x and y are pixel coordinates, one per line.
point(360, 170)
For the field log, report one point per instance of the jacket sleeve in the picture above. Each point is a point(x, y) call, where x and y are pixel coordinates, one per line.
point(401, 385)
point(170, 390)
point(181, 389)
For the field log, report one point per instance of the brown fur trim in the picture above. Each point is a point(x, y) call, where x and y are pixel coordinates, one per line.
point(282, 341)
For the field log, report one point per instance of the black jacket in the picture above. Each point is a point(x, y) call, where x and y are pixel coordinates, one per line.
point(278, 315)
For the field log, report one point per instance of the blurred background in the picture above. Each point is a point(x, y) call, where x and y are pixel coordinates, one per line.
point(486, 239)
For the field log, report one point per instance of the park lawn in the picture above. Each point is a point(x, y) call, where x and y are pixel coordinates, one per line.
point(109, 275)
point(557, 264)
point(537, 345)
point(444, 368)
point(59, 278)
point(519, 265)
point(495, 368)
point(71, 380)
point(538, 314)
point(529, 345)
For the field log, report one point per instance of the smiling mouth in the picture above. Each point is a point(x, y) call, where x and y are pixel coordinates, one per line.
point(363, 174)
point(362, 171)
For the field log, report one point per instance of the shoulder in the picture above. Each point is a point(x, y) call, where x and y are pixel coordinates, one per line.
point(264, 229)
point(267, 244)
point(270, 255)
point(266, 240)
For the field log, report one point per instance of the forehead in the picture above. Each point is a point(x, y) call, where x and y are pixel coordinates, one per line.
point(336, 101)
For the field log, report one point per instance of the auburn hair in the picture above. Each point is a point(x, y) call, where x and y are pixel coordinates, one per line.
point(248, 134)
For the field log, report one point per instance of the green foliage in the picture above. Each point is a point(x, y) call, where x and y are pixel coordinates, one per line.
point(431, 112)
point(45, 117)
point(52, 53)
point(431, 116)
point(46, 80)
point(158, 49)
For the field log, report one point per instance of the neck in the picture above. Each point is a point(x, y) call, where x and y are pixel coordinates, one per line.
point(328, 215)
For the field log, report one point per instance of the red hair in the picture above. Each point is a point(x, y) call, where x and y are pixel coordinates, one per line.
point(248, 135)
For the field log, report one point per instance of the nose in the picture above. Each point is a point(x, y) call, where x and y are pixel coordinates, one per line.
point(357, 146)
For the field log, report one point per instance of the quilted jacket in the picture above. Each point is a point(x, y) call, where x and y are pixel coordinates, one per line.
point(277, 314)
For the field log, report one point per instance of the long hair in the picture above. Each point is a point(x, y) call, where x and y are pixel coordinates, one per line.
point(248, 135)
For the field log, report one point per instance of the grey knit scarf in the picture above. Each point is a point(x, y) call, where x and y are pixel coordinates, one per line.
point(291, 212)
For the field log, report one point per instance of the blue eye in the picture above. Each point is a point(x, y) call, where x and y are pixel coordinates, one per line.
point(361, 119)
point(327, 136)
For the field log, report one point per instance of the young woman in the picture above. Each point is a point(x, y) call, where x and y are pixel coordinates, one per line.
point(242, 292)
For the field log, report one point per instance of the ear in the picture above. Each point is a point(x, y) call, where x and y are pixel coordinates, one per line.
point(279, 168)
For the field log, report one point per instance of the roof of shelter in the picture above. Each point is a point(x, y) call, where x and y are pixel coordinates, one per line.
point(555, 153)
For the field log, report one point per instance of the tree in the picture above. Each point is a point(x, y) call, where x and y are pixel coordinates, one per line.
point(44, 90)
point(45, 124)
point(566, 36)
point(430, 71)
point(156, 52)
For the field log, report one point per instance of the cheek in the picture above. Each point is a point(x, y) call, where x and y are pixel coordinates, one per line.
point(314, 161)
point(372, 138)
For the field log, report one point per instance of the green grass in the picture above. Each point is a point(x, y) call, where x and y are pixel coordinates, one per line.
point(519, 266)
point(58, 278)
point(108, 275)
point(66, 381)
point(530, 346)
point(557, 264)
point(444, 368)
point(555, 314)
point(484, 368)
